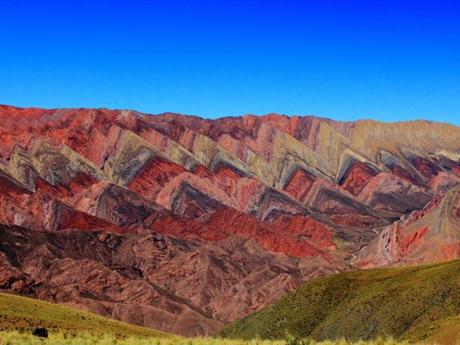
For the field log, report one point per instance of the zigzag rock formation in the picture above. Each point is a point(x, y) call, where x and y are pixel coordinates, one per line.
point(185, 224)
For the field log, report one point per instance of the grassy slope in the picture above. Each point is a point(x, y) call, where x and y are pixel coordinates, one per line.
point(444, 331)
point(395, 302)
point(24, 314)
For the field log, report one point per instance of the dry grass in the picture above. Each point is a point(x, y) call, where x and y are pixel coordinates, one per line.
point(16, 338)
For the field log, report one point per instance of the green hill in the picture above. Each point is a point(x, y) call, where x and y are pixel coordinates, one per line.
point(444, 331)
point(25, 314)
point(414, 303)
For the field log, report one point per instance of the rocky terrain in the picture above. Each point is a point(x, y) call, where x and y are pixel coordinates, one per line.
point(185, 224)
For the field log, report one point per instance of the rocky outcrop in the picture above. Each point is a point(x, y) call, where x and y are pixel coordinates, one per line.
point(428, 235)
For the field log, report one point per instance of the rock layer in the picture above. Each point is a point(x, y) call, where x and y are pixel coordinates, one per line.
point(184, 224)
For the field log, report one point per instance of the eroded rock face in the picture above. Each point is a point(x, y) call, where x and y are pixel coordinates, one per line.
point(431, 234)
point(151, 280)
point(184, 224)
point(357, 176)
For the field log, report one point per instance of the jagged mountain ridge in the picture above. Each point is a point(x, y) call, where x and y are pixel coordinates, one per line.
point(313, 194)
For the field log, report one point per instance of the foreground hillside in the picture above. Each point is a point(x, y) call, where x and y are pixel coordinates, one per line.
point(443, 331)
point(19, 316)
point(409, 303)
point(22, 314)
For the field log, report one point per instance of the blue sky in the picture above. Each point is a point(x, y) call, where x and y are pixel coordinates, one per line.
point(386, 60)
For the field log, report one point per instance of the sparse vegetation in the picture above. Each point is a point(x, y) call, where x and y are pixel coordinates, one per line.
point(15, 338)
point(22, 314)
point(444, 331)
point(415, 303)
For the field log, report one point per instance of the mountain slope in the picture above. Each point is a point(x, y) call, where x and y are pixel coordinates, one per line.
point(360, 305)
point(151, 280)
point(185, 224)
point(428, 235)
point(443, 332)
point(25, 314)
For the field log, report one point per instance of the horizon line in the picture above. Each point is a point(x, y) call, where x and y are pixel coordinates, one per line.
point(219, 117)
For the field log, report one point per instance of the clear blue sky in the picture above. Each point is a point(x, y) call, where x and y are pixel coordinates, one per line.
point(387, 60)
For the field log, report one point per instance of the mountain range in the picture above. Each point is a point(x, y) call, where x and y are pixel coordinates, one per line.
point(185, 224)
